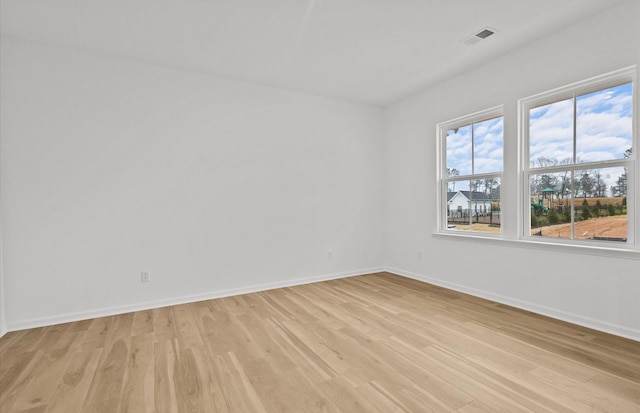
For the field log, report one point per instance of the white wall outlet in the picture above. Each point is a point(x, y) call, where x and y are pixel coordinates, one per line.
point(145, 276)
point(419, 255)
point(330, 255)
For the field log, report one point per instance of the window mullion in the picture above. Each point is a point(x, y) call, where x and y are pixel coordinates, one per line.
point(573, 205)
point(573, 172)
point(575, 122)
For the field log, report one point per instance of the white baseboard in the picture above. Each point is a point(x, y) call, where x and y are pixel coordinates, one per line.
point(606, 327)
point(599, 325)
point(103, 312)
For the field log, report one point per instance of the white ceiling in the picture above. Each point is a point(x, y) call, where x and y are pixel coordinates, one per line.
point(371, 51)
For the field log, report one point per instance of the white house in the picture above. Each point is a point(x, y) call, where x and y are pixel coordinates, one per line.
point(460, 202)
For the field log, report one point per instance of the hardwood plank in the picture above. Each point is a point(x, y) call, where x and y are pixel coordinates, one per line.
point(213, 399)
point(142, 323)
point(374, 343)
point(346, 397)
point(418, 399)
point(165, 358)
point(48, 372)
point(138, 387)
point(237, 390)
point(71, 393)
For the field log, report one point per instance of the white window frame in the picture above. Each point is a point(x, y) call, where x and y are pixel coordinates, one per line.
point(441, 175)
point(605, 81)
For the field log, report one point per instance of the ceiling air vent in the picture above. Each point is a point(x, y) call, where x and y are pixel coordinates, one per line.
point(480, 35)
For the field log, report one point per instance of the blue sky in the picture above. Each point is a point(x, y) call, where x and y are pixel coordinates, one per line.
point(603, 132)
point(603, 127)
point(487, 147)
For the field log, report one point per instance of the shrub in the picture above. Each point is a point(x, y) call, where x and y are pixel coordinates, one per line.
point(553, 216)
point(586, 213)
point(534, 221)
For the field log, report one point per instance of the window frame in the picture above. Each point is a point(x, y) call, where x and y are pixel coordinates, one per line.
point(443, 179)
point(572, 91)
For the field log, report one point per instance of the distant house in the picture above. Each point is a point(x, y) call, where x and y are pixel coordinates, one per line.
point(459, 203)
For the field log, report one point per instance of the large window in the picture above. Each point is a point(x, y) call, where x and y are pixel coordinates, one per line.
point(578, 155)
point(471, 172)
point(570, 179)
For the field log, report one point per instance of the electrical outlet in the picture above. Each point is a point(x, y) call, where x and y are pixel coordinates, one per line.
point(330, 255)
point(419, 255)
point(145, 276)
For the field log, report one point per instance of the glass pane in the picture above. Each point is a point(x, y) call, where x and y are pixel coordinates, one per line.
point(485, 205)
point(459, 151)
point(474, 205)
point(458, 204)
point(487, 146)
point(599, 204)
point(550, 196)
point(603, 124)
point(551, 134)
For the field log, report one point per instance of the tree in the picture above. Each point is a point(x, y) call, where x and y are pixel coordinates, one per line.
point(620, 188)
point(539, 182)
point(544, 162)
point(548, 181)
point(453, 172)
point(587, 184)
point(586, 213)
point(564, 185)
point(597, 208)
point(495, 193)
point(600, 184)
point(489, 185)
point(553, 216)
point(475, 185)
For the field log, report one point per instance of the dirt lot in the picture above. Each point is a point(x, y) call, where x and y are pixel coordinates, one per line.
point(479, 227)
point(612, 227)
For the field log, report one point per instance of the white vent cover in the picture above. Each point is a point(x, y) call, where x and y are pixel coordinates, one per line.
point(478, 36)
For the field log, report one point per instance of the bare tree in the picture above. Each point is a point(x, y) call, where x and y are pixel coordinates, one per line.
point(586, 184)
point(453, 172)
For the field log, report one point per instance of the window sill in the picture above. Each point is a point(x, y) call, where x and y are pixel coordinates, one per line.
point(605, 251)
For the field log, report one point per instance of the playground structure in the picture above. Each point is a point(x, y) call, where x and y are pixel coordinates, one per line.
point(539, 207)
point(545, 201)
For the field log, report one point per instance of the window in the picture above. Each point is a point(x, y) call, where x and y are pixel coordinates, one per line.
point(471, 159)
point(571, 179)
point(578, 159)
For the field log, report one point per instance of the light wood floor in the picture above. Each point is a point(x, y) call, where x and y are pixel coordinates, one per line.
point(374, 343)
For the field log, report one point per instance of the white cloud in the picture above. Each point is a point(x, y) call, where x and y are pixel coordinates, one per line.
point(487, 147)
point(486, 165)
point(603, 127)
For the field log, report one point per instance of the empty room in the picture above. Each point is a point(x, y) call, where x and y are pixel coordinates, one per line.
point(319, 206)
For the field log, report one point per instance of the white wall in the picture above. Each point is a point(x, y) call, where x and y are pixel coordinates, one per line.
point(3, 318)
point(112, 167)
point(592, 290)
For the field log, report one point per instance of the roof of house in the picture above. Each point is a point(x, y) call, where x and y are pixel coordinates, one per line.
point(477, 196)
